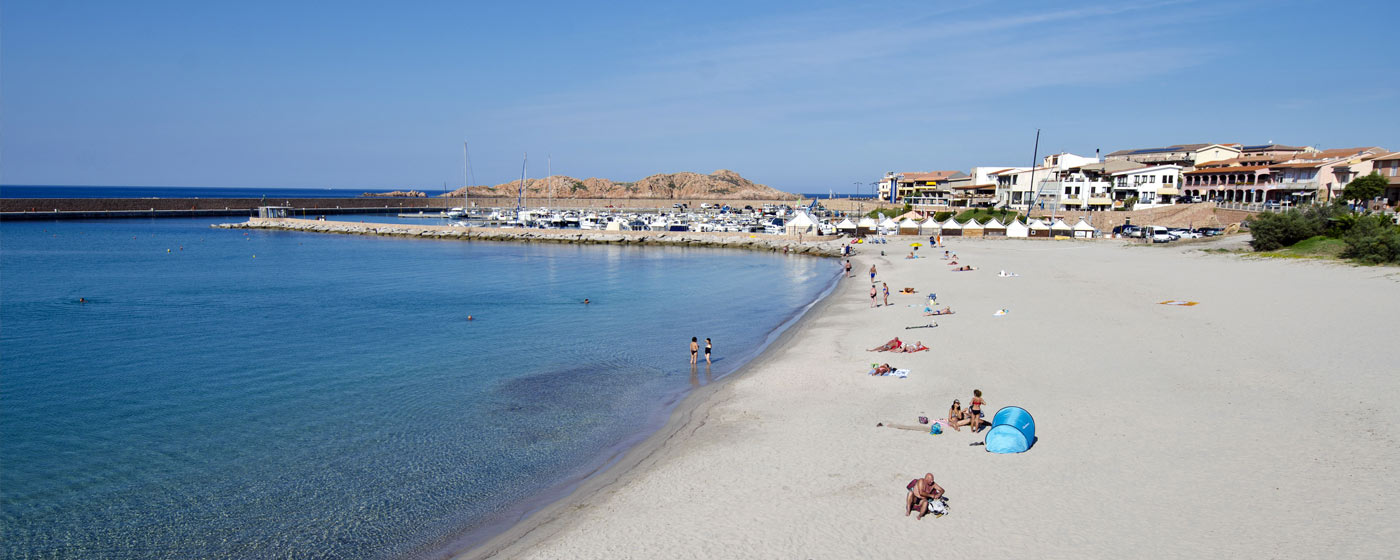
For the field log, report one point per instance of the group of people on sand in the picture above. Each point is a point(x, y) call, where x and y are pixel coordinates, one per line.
point(897, 345)
point(971, 416)
point(695, 349)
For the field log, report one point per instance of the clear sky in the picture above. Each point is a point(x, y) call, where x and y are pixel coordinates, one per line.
point(803, 96)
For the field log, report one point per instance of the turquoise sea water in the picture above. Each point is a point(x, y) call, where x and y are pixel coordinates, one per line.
point(255, 394)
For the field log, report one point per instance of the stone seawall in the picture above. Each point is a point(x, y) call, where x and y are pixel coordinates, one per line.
point(808, 245)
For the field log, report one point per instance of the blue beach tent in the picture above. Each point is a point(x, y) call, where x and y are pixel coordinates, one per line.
point(1013, 431)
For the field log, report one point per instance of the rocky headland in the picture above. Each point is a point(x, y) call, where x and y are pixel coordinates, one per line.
point(720, 185)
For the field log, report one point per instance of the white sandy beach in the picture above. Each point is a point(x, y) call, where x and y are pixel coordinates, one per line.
point(1261, 423)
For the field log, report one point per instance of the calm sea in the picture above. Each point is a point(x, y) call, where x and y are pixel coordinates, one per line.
point(224, 393)
point(47, 191)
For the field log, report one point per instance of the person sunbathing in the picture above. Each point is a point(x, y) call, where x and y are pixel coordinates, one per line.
point(882, 369)
point(886, 347)
point(944, 311)
point(912, 348)
point(957, 416)
point(907, 291)
point(964, 268)
point(912, 256)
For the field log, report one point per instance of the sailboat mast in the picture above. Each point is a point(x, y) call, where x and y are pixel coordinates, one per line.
point(466, 178)
point(520, 194)
point(549, 172)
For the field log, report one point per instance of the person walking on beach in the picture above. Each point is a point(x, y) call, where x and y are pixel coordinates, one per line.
point(872, 295)
point(872, 274)
point(694, 348)
point(886, 288)
point(708, 347)
point(848, 268)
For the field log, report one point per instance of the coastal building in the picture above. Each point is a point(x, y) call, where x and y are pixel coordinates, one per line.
point(1184, 155)
point(1388, 166)
point(1306, 176)
point(1153, 185)
point(930, 187)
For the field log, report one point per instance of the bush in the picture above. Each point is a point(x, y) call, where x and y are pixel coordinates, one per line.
point(1274, 231)
point(1373, 240)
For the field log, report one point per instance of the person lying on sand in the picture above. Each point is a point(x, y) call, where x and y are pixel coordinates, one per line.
point(882, 369)
point(886, 347)
point(912, 348)
point(957, 416)
point(907, 291)
point(912, 255)
point(944, 311)
point(921, 490)
point(964, 268)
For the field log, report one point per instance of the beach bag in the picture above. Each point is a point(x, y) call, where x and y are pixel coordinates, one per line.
point(923, 419)
point(936, 429)
point(937, 507)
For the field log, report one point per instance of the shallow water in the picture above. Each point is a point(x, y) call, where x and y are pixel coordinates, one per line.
point(259, 393)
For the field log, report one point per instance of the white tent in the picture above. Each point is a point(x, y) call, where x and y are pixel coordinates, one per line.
point(994, 228)
point(1038, 228)
point(889, 226)
point(866, 226)
point(801, 223)
point(1017, 228)
point(952, 228)
point(1083, 230)
point(846, 225)
point(971, 228)
point(930, 226)
point(1061, 228)
point(908, 227)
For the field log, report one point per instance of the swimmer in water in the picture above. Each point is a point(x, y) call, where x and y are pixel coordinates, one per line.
point(585, 301)
point(82, 300)
point(469, 317)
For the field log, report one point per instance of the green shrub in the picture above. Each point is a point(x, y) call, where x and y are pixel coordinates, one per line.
point(1373, 240)
point(1274, 231)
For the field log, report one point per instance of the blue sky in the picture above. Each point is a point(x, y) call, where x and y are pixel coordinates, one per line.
point(803, 96)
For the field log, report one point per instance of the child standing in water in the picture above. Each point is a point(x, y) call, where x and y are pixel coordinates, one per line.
point(694, 348)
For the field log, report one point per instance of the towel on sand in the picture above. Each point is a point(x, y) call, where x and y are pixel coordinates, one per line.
point(900, 373)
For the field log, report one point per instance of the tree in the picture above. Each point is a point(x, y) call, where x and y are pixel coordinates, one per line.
point(1365, 188)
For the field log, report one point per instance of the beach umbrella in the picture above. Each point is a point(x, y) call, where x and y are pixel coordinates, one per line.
point(916, 244)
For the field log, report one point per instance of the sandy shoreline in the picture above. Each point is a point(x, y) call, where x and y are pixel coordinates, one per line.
point(1164, 431)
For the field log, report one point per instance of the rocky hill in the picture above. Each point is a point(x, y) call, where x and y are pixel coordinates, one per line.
point(722, 184)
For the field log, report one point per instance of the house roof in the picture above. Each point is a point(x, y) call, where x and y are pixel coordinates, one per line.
point(1388, 157)
point(1338, 153)
point(1169, 149)
point(1272, 148)
point(971, 187)
point(930, 175)
point(1110, 166)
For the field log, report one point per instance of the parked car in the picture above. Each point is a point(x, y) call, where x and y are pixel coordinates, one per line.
point(1187, 234)
point(1271, 204)
point(1212, 231)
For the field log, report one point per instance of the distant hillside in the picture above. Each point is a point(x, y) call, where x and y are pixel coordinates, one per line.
point(722, 184)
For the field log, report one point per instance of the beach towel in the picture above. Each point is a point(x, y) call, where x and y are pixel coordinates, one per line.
point(900, 373)
point(1001, 313)
point(1177, 302)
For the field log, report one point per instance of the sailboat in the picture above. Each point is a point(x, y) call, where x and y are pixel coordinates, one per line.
point(463, 212)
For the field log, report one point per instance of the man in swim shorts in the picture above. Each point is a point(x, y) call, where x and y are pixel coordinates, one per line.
point(921, 490)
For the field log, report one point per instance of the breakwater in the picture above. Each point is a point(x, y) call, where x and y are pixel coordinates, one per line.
point(89, 208)
point(829, 246)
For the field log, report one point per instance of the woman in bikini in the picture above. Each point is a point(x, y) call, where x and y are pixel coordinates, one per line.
point(708, 346)
point(694, 348)
point(974, 410)
point(957, 416)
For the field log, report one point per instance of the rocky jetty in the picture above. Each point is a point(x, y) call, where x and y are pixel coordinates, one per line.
point(398, 194)
point(825, 247)
point(720, 185)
